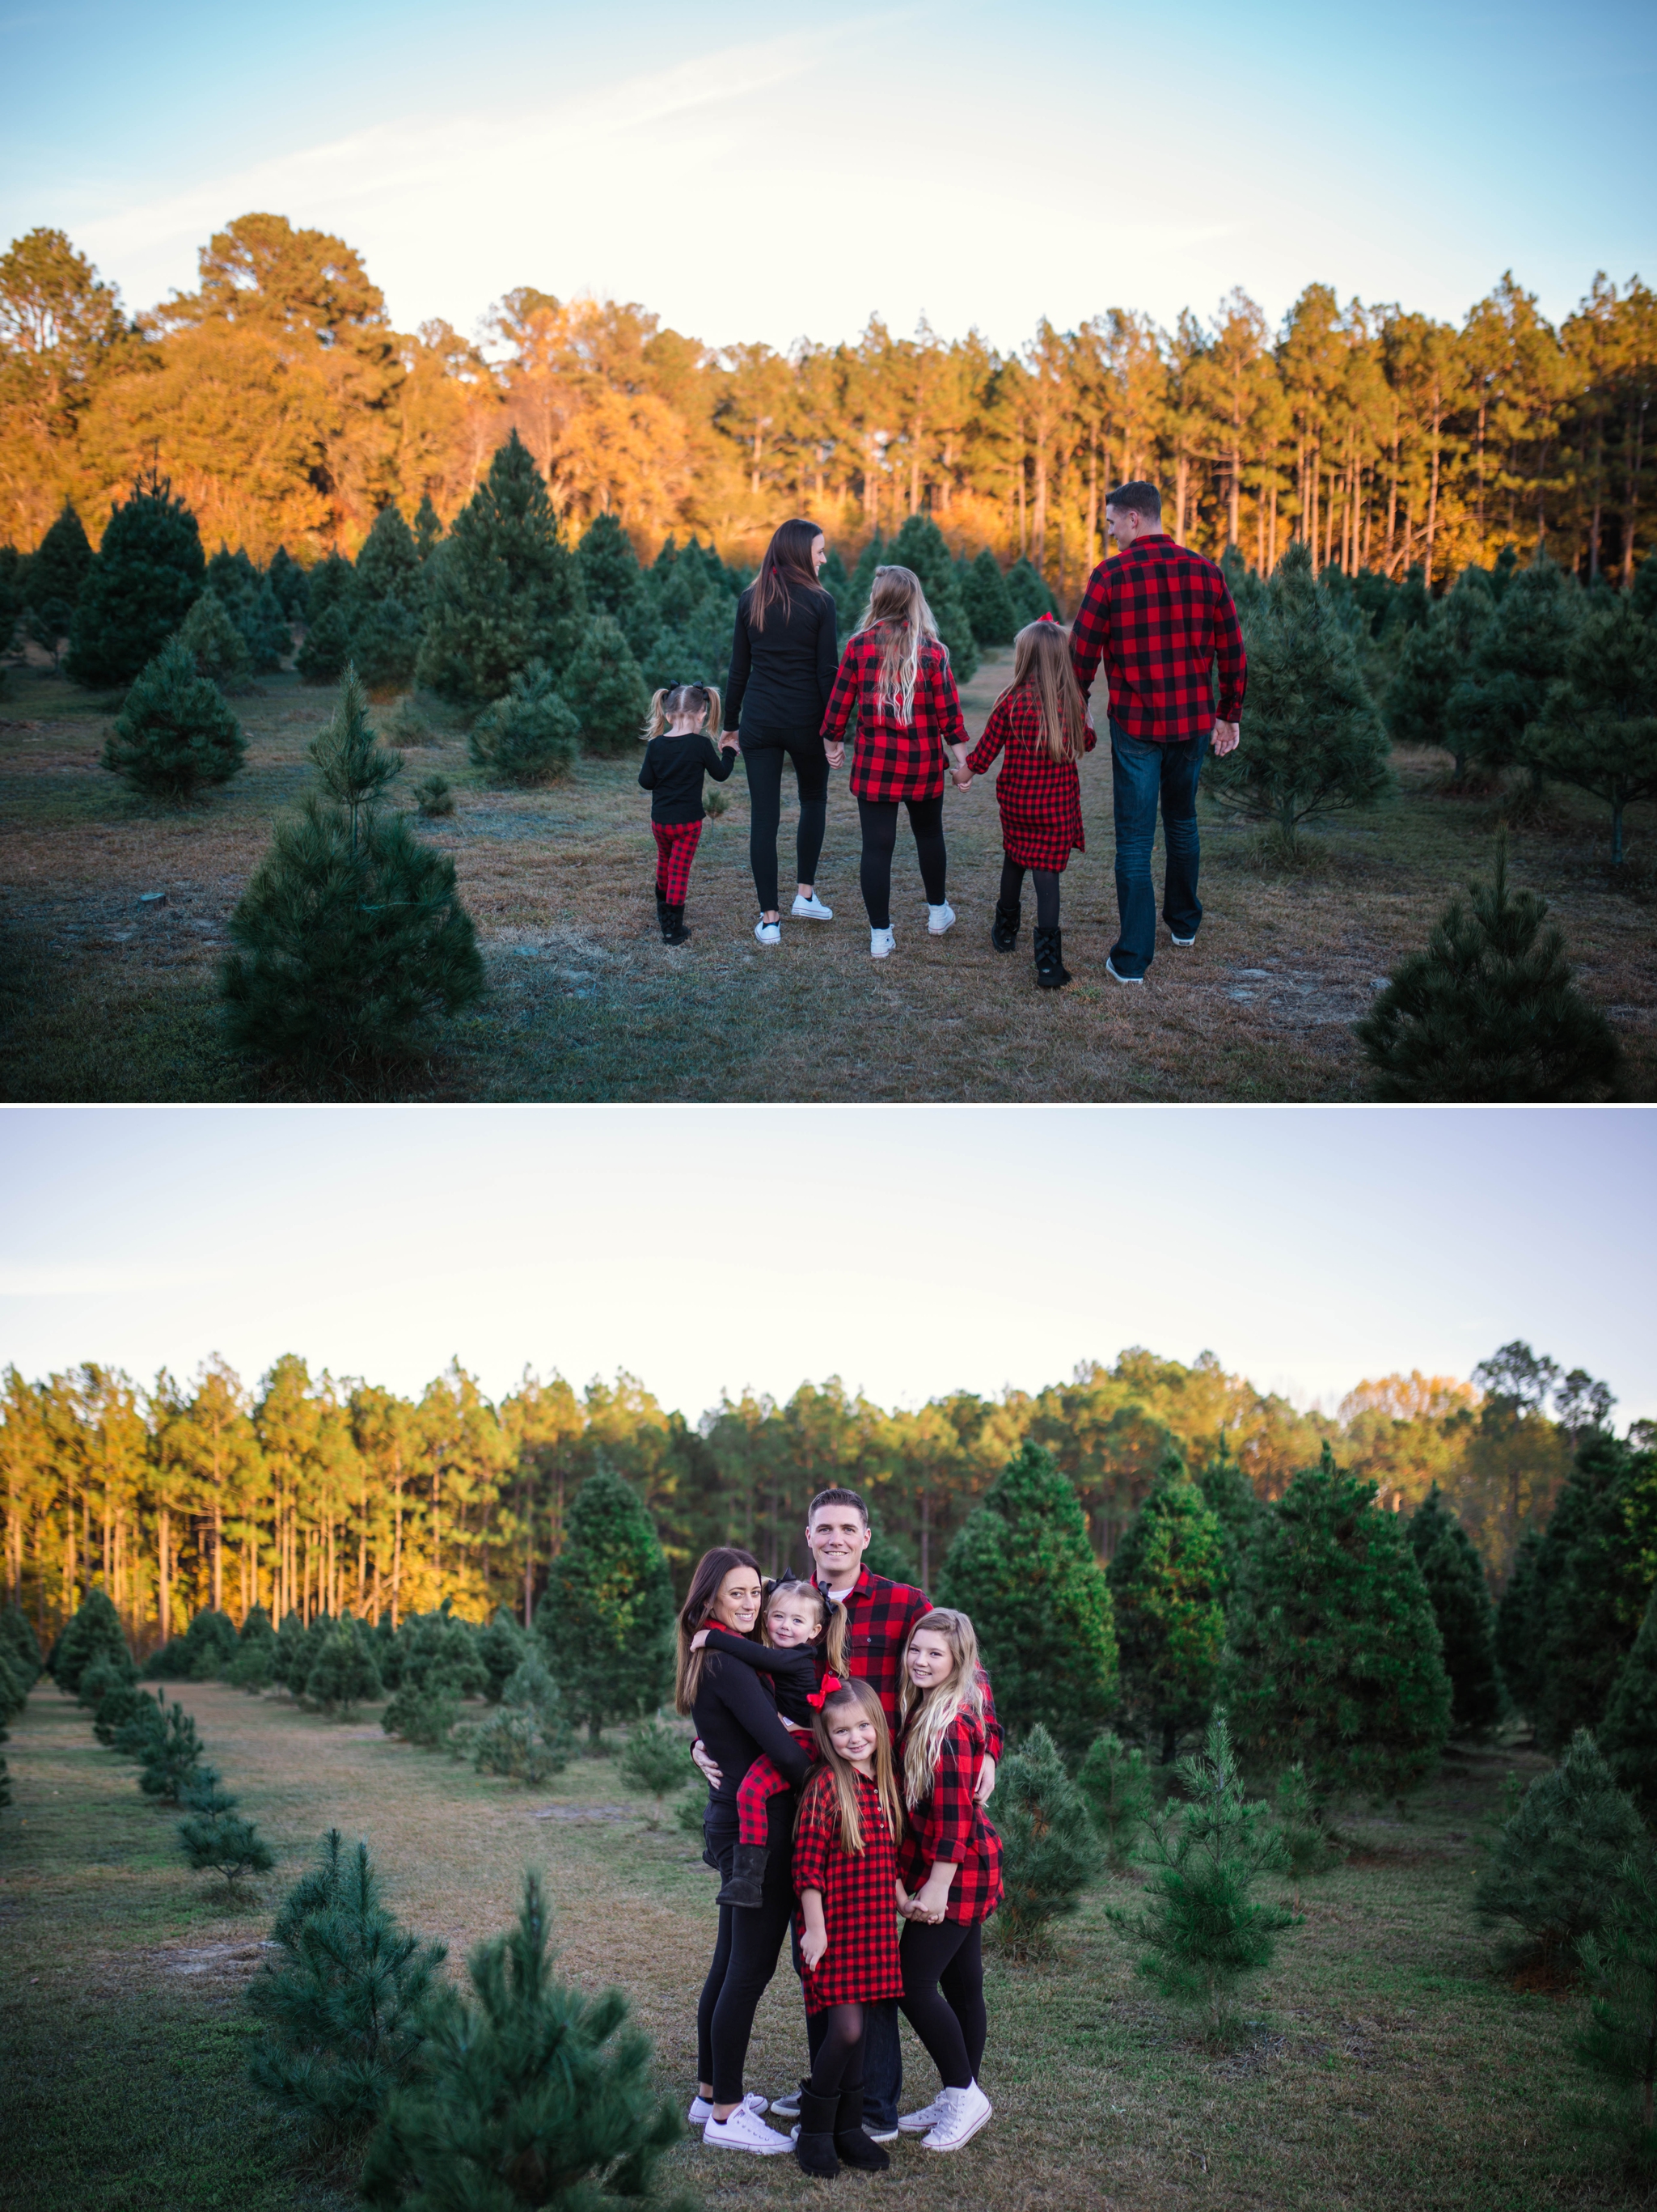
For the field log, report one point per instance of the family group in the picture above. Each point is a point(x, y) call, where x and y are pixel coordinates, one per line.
point(849, 1734)
point(1158, 619)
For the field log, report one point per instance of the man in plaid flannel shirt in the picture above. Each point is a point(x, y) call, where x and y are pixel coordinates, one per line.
point(1159, 618)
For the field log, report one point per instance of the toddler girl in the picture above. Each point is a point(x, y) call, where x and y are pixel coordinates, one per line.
point(678, 754)
point(1042, 720)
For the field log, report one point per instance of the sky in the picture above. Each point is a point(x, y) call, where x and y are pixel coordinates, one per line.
point(909, 1250)
point(747, 176)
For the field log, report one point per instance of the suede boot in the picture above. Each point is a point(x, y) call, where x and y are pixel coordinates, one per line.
point(814, 2145)
point(852, 2144)
point(1004, 930)
point(746, 1884)
point(673, 929)
point(1050, 969)
point(661, 911)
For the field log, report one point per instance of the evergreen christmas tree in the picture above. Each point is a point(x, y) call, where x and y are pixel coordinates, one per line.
point(18, 1637)
point(1116, 1780)
point(695, 649)
point(226, 1844)
point(265, 631)
point(287, 581)
point(1166, 1585)
point(532, 2094)
point(233, 576)
point(14, 1690)
point(607, 1619)
point(1231, 1499)
point(351, 937)
point(1598, 729)
point(215, 643)
point(872, 556)
point(1203, 1928)
point(209, 1644)
point(1335, 1657)
point(1521, 653)
point(344, 2004)
point(171, 1759)
point(436, 1665)
point(920, 546)
point(610, 567)
point(503, 590)
point(427, 529)
point(655, 1759)
point(141, 1730)
point(529, 1737)
point(330, 584)
point(1488, 1013)
point(1434, 658)
point(1022, 1569)
point(1627, 1734)
point(1307, 1848)
point(835, 580)
point(1454, 1575)
point(253, 1667)
point(387, 567)
point(1520, 1627)
point(1593, 1576)
point(385, 646)
point(531, 736)
point(93, 1631)
point(988, 603)
point(603, 683)
point(13, 567)
point(883, 1557)
point(1619, 2043)
point(345, 1675)
point(1030, 597)
point(62, 561)
point(1555, 1868)
point(142, 584)
point(1049, 1852)
point(1315, 742)
point(501, 1647)
point(326, 652)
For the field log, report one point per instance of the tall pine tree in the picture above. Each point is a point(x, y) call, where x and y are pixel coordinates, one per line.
point(1599, 726)
point(1166, 1584)
point(1454, 1574)
point(1521, 653)
point(920, 546)
point(1595, 1567)
point(1627, 1734)
point(607, 1619)
point(61, 562)
point(148, 572)
point(989, 605)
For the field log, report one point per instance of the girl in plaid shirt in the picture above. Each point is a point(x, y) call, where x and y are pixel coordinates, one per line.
point(949, 1870)
point(846, 1876)
point(1042, 719)
point(895, 676)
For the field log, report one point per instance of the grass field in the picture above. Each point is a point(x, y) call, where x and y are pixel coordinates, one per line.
point(1390, 2066)
point(103, 997)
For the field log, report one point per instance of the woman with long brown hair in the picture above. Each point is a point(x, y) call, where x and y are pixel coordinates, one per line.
point(783, 658)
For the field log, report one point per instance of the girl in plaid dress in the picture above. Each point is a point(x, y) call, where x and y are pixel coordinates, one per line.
point(1041, 718)
point(895, 677)
point(678, 754)
point(846, 1878)
point(949, 1870)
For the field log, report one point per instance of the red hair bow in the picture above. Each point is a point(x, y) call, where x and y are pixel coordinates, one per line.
point(831, 1684)
point(1052, 618)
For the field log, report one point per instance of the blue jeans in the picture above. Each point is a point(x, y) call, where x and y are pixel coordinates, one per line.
point(883, 2062)
point(1140, 775)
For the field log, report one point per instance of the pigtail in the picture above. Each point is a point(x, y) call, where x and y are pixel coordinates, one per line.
point(834, 1638)
point(715, 712)
point(656, 720)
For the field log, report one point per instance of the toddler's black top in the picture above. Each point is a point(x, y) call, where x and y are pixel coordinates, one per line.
point(795, 1672)
point(673, 771)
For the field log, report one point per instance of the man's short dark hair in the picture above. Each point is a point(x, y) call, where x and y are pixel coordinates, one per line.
point(835, 1497)
point(1138, 498)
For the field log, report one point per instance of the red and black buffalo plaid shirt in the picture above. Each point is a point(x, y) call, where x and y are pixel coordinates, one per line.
point(1040, 798)
point(895, 759)
point(879, 1615)
point(1159, 616)
point(859, 1898)
point(949, 1824)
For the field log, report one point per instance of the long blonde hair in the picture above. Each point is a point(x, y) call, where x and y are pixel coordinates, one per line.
point(678, 702)
point(839, 1774)
point(1042, 664)
point(935, 1712)
point(830, 1613)
point(897, 606)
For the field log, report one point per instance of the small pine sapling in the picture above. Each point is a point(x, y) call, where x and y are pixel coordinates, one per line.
point(175, 735)
point(434, 797)
point(1555, 1869)
point(344, 1675)
point(384, 646)
point(1307, 1848)
point(171, 1758)
point(423, 1713)
point(253, 1667)
point(144, 1728)
point(1619, 2043)
point(94, 1629)
point(326, 651)
point(1049, 1850)
point(532, 2094)
point(215, 642)
point(656, 1761)
point(689, 1814)
point(1598, 729)
point(531, 736)
point(502, 1647)
point(224, 1844)
point(528, 1738)
point(1115, 1780)
point(604, 685)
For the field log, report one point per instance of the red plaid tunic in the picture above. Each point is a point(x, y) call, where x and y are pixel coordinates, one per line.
point(1159, 615)
point(879, 1615)
point(1040, 798)
point(859, 1899)
point(894, 759)
point(950, 1826)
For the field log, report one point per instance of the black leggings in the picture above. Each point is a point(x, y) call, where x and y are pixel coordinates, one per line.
point(943, 1996)
point(837, 2062)
point(1046, 906)
point(746, 1953)
point(763, 753)
point(879, 820)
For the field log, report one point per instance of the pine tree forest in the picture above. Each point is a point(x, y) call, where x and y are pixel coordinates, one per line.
point(311, 1494)
point(286, 411)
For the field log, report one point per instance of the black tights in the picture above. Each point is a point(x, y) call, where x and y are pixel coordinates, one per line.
point(839, 2061)
point(943, 1996)
point(763, 759)
point(1047, 910)
point(745, 1955)
point(879, 820)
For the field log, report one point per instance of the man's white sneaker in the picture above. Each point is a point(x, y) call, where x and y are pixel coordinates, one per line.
point(969, 2108)
point(811, 910)
point(744, 2130)
point(939, 918)
point(1192, 940)
point(881, 943)
point(1111, 968)
point(701, 2111)
point(918, 2123)
point(768, 933)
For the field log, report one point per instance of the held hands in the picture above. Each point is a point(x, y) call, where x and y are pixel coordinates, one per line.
point(961, 775)
point(1226, 735)
point(836, 751)
point(728, 742)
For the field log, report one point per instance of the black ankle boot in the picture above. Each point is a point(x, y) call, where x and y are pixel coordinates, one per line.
point(661, 911)
point(746, 1885)
point(814, 2145)
point(1004, 930)
point(1050, 968)
point(673, 929)
point(852, 2144)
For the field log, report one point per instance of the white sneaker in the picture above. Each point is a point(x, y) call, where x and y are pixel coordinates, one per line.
point(1111, 969)
point(702, 2109)
point(939, 918)
point(918, 2123)
point(768, 933)
point(811, 910)
point(744, 2130)
point(1192, 940)
point(969, 2108)
point(880, 943)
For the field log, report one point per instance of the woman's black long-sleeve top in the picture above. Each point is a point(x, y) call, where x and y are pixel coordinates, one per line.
point(796, 1671)
point(736, 1719)
point(781, 675)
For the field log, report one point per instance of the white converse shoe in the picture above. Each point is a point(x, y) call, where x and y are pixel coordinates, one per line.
point(744, 2130)
point(918, 2123)
point(1111, 968)
point(1175, 939)
point(939, 918)
point(702, 2109)
point(811, 910)
point(969, 2109)
point(881, 943)
point(768, 933)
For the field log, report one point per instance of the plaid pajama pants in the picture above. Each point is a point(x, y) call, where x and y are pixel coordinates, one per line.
point(760, 1784)
point(676, 848)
